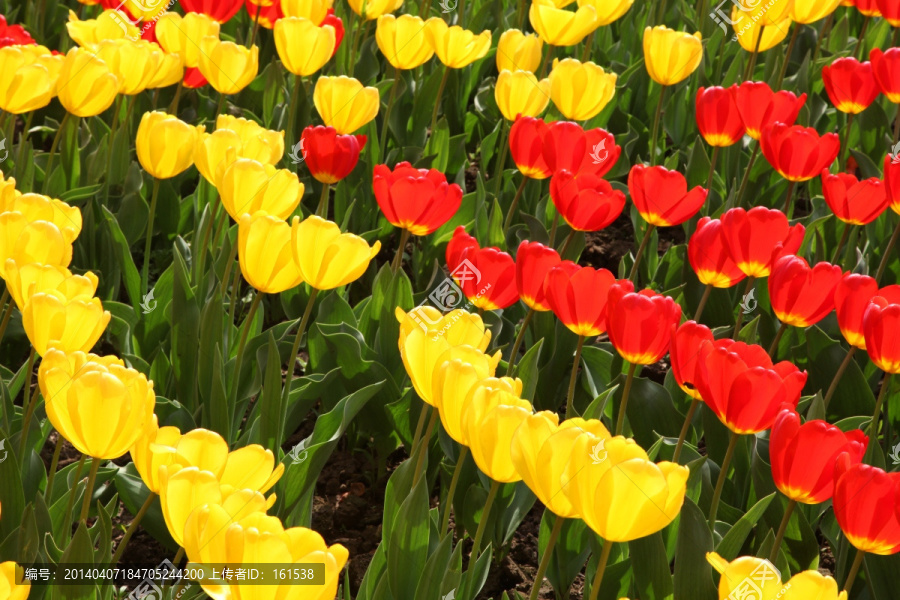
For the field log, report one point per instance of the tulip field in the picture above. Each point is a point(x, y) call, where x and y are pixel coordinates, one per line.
point(450, 299)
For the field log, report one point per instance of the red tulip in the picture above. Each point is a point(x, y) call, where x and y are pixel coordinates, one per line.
point(890, 10)
point(586, 202)
point(718, 117)
point(193, 78)
point(640, 324)
point(578, 296)
point(267, 14)
point(852, 297)
point(881, 324)
point(487, 276)
point(886, 66)
point(865, 501)
point(803, 456)
point(892, 181)
point(330, 157)
point(418, 200)
point(798, 153)
point(867, 7)
point(853, 201)
point(850, 84)
point(684, 354)
point(662, 196)
point(802, 296)
point(569, 147)
point(742, 386)
point(760, 106)
point(148, 32)
point(758, 237)
point(533, 262)
point(14, 35)
point(219, 10)
point(526, 144)
point(336, 22)
point(709, 256)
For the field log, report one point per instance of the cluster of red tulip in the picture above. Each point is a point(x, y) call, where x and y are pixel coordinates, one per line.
point(14, 35)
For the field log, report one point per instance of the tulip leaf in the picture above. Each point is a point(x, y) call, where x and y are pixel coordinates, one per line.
point(407, 546)
point(374, 574)
point(652, 577)
point(134, 493)
point(730, 546)
point(79, 551)
point(692, 571)
point(270, 409)
point(570, 552)
point(438, 564)
point(122, 250)
point(527, 370)
point(12, 493)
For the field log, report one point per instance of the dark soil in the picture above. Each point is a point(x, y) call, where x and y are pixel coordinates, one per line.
point(605, 249)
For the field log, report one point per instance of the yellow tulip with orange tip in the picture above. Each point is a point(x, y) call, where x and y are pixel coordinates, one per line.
point(402, 41)
point(87, 85)
point(257, 142)
point(580, 90)
point(456, 47)
point(490, 421)
point(265, 253)
point(314, 10)
point(671, 56)
point(227, 66)
point(247, 186)
point(747, 30)
point(53, 321)
point(96, 403)
point(520, 93)
point(343, 103)
point(110, 25)
point(560, 27)
point(806, 585)
point(303, 46)
point(182, 35)
point(37, 207)
point(165, 144)
point(457, 372)
point(517, 51)
point(13, 584)
point(26, 280)
point(327, 258)
point(25, 85)
point(608, 11)
point(32, 242)
point(373, 8)
point(135, 63)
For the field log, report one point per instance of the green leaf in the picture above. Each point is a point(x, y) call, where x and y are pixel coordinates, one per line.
point(185, 320)
point(81, 551)
point(652, 578)
point(527, 370)
point(570, 552)
point(131, 276)
point(407, 547)
point(730, 546)
point(692, 571)
point(270, 400)
point(438, 564)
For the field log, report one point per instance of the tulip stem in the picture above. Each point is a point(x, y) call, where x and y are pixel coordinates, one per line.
point(703, 300)
point(322, 209)
point(844, 237)
point(420, 425)
point(740, 316)
point(520, 337)
point(746, 179)
point(854, 569)
point(640, 254)
point(445, 520)
point(501, 162)
point(145, 269)
point(684, 429)
point(623, 404)
point(826, 29)
point(70, 503)
point(845, 146)
point(173, 108)
point(29, 409)
point(482, 524)
point(862, 34)
point(295, 349)
point(515, 204)
point(292, 109)
point(132, 527)
point(791, 505)
point(773, 349)
point(787, 56)
point(437, 100)
point(548, 60)
point(573, 379)
point(88, 491)
point(242, 343)
point(53, 148)
point(720, 482)
point(117, 108)
point(553, 229)
point(655, 133)
point(387, 116)
point(569, 239)
point(54, 463)
point(586, 53)
point(887, 253)
point(601, 569)
point(545, 559)
point(255, 25)
point(398, 257)
point(873, 426)
point(788, 199)
point(751, 63)
point(712, 166)
point(8, 304)
point(23, 138)
point(840, 373)
point(207, 231)
point(422, 450)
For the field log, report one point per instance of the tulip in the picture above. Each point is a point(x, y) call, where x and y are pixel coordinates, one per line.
point(194, 79)
point(746, 572)
point(526, 144)
point(36, 242)
point(880, 321)
point(520, 93)
point(760, 106)
point(759, 237)
point(99, 405)
point(456, 47)
point(303, 46)
point(459, 327)
point(403, 41)
point(8, 193)
point(327, 258)
point(247, 186)
point(24, 86)
point(852, 201)
point(51, 320)
point(183, 491)
point(343, 103)
point(264, 251)
point(534, 261)
point(314, 10)
point(851, 298)
point(578, 297)
point(220, 10)
point(517, 51)
point(155, 446)
point(165, 144)
point(214, 152)
point(718, 117)
point(864, 497)
point(802, 296)
point(892, 182)
point(686, 340)
point(580, 90)
point(416, 200)
point(135, 63)
point(671, 56)
point(709, 255)
point(487, 276)
point(586, 202)
point(36, 207)
point(868, 8)
point(373, 8)
point(490, 436)
point(266, 12)
point(110, 25)
point(458, 377)
point(608, 11)
point(748, 28)
point(568, 146)
point(170, 72)
point(850, 84)
point(14, 35)
point(183, 35)
point(798, 153)
point(810, 11)
point(886, 67)
point(890, 10)
point(13, 583)
point(258, 143)
point(26, 280)
point(329, 156)
point(86, 86)
point(228, 67)
point(338, 25)
point(559, 27)
point(662, 197)
point(640, 323)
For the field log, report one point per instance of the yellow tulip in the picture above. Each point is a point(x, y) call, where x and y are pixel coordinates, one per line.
point(736, 573)
point(559, 27)
point(183, 491)
point(251, 467)
point(456, 47)
point(608, 11)
point(182, 35)
point(327, 258)
point(541, 451)
point(228, 67)
point(303, 46)
point(37, 207)
point(53, 321)
point(31, 242)
point(26, 280)
point(517, 51)
point(13, 585)
point(110, 25)
point(459, 327)
point(215, 152)
point(485, 395)
point(8, 193)
point(153, 448)
point(619, 492)
point(777, 11)
point(402, 41)
point(747, 31)
point(165, 144)
point(810, 11)
point(580, 90)
point(314, 10)
point(451, 382)
point(490, 419)
point(87, 85)
point(205, 530)
point(146, 10)
point(169, 72)
point(265, 255)
point(24, 85)
point(257, 142)
point(247, 186)
point(134, 63)
point(811, 585)
point(520, 93)
point(96, 403)
point(343, 103)
point(671, 56)
point(374, 8)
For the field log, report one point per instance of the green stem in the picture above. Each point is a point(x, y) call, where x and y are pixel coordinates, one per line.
point(826, 29)
point(255, 25)
point(482, 524)
point(712, 166)
point(778, 335)
point(787, 56)
point(545, 559)
point(887, 253)
point(387, 115)
point(501, 162)
point(398, 258)
point(873, 426)
point(437, 100)
point(322, 209)
point(655, 132)
point(515, 204)
point(623, 404)
point(601, 569)
point(53, 148)
point(720, 482)
point(292, 110)
point(862, 35)
point(740, 317)
point(29, 409)
point(54, 463)
point(588, 46)
point(117, 108)
point(840, 373)
point(854, 570)
point(746, 179)
point(304, 322)
point(8, 305)
point(422, 450)
point(420, 425)
point(229, 264)
point(569, 239)
point(640, 254)
point(553, 229)
point(145, 269)
point(788, 199)
point(773, 555)
point(520, 337)
point(22, 138)
point(703, 300)
point(173, 108)
point(88, 491)
point(207, 231)
point(70, 503)
point(242, 343)
point(845, 146)
point(684, 429)
point(220, 109)
point(132, 527)
point(573, 379)
point(844, 237)
point(445, 519)
point(751, 64)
